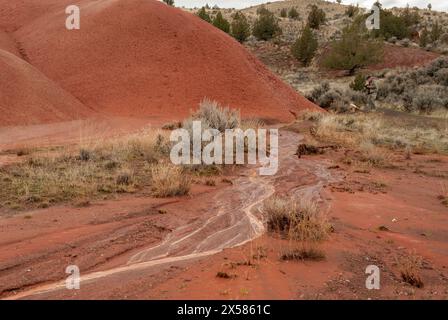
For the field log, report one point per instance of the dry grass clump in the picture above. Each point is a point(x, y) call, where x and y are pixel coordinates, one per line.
point(55, 180)
point(225, 275)
point(168, 180)
point(23, 152)
point(369, 132)
point(409, 267)
point(172, 125)
point(373, 155)
point(301, 223)
point(252, 123)
point(304, 253)
point(296, 220)
point(90, 171)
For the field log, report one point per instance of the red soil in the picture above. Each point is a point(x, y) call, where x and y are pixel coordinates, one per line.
point(6, 43)
point(28, 97)
point(395, 56)
point(141, 58)
point(36, 246)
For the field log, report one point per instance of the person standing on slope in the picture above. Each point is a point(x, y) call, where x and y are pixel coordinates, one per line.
point(370, 88)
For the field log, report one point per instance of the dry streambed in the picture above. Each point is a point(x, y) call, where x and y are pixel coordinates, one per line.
point(232, 219)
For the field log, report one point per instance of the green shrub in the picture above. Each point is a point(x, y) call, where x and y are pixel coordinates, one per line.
point(284, 13)
point(293, 14)
point(354, 50)
point(266, 26)
point(392, 26)
point(436, 32)
point(358, 83)
point(316, 17)
point(262, 10)
point(352, 11)
point(424, 38)
point(410, 18)
point(221, 23)
point(240, 27)
point(169, 2)
point(305, 46)
point(202, 13)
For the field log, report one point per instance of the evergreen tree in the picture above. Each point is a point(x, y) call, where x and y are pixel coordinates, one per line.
point(392, 26)
point(436, 32)
point(316, 17)
point(284, 13)
point(410, 18)
point(354, 50)
point(352, 11)
point(266, 26)
point(169, 2)
point(293, 14)
point(424, 38)
point(202, 13)
point(240, 27)
point(305, 46)
point(221, 23)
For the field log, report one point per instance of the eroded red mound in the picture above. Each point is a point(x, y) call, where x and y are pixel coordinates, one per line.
point(395, 56)
point(28, 97)
point(141, 58)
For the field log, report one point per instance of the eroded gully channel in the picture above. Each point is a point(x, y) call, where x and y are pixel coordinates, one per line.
point(234, 220)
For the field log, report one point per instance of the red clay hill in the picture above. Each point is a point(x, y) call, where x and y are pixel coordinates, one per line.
point(28, 97)
point(141, 58)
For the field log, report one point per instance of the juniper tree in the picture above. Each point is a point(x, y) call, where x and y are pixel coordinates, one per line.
point(266, 26)
point(305, 46)
point(293, 14)
point(169, 2)
point(202, 13)
point(316, 17)
point(240, 28)
point(354, 50)
point(221, 23)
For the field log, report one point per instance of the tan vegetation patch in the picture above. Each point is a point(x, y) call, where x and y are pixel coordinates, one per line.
point(301, 223)
point(296, 220)
point(409, 267)
point(168, 180)
point(373, 134)
point(77, 174)
point(311, 253)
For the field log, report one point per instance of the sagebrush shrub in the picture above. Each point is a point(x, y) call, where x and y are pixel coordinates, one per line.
point(213, 115)
point(422, 90)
